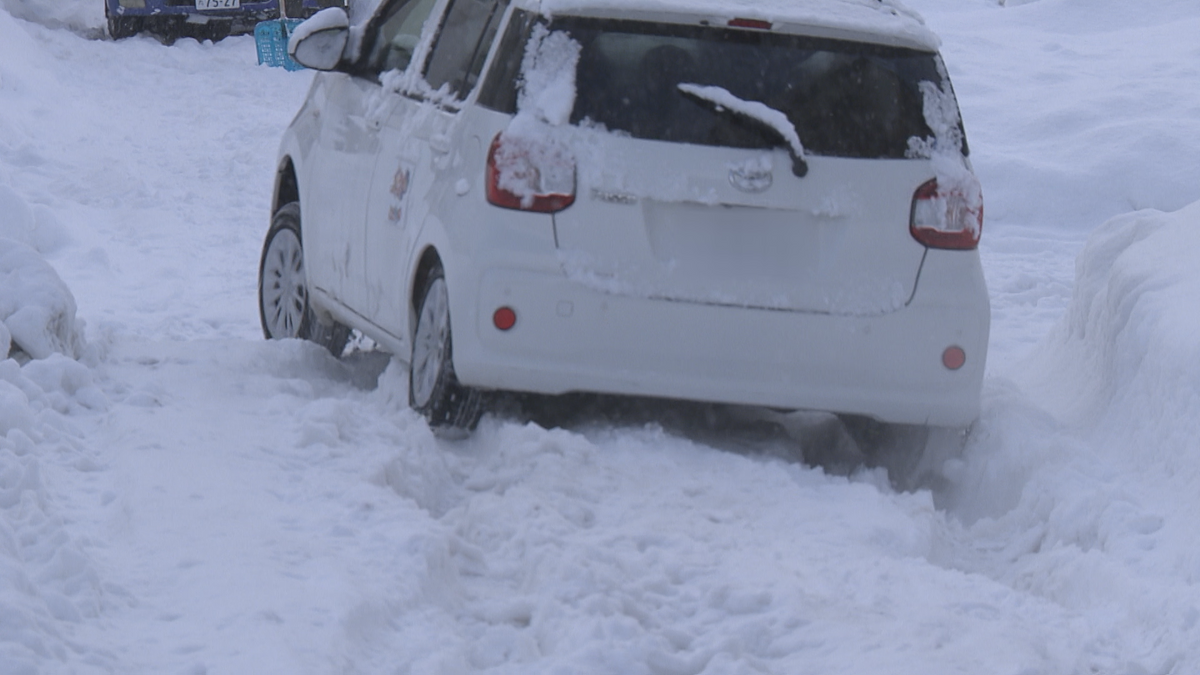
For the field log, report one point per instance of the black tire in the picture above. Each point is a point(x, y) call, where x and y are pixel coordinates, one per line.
point(433, 388)
point(121, 27)
point(283, 307)
point(170, 29)
point(215, 31)
point(912, 454)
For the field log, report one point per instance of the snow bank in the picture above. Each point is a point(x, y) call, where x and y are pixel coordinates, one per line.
point(1120, 372)
point(34, 225)
point(1082, 480)
point(1129, 342)
point(81, 16)
point(37, 309)
point(49, 586)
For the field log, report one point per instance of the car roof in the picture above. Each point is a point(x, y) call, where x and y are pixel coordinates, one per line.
point(878, 21)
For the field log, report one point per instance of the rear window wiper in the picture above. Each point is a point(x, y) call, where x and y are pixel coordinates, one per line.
point(765, 116)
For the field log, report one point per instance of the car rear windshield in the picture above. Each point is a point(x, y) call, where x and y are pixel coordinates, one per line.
point(845, 99)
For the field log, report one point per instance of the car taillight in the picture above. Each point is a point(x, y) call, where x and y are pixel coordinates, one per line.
point(529, 174)
point(952, 219)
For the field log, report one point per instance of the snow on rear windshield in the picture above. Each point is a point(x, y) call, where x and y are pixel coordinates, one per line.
point(845, 99)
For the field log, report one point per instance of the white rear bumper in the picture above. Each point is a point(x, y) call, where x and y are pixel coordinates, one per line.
point(572, 338)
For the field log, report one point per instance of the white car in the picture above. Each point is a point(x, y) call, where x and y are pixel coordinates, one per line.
point(766, 204)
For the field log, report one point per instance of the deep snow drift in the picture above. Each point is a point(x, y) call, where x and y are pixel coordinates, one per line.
point(179, 496)
point(86, 18)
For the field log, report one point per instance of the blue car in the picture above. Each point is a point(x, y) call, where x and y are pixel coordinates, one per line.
point(212, 19)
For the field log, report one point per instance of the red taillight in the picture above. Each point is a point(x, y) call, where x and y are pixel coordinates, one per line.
point(529, 175)
point(951, 219)
point(750, 23)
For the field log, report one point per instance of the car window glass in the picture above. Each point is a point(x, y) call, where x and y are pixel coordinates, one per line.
point(396, 37)
point(462, 44)
point(499, 90)
point(845, 99)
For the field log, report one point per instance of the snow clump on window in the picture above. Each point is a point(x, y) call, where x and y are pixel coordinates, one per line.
point(533, 156)
point(548, 76)
point(957, 184)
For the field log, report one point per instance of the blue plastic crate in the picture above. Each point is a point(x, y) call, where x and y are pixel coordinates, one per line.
point(271, 39)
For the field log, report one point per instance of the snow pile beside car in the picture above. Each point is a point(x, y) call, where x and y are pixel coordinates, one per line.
point(1083, 474)
point(37, 310)
point(48, 585)
point(1120, 372)
point(75, 15)
point(1128, 352)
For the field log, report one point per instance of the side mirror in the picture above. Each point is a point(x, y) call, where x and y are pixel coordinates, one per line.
point(320, 41)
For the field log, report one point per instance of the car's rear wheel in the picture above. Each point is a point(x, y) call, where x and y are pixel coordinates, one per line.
point(121, 27)
point(215, 31)
point(283, 305)
point(914, 455)
point(434, 389)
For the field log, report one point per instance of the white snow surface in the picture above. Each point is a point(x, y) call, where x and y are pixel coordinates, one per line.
point(37, 310)
point(86, 18)
point(184, 497)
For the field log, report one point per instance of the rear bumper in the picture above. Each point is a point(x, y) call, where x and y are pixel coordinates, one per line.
point(569, 337)
point(248, 12)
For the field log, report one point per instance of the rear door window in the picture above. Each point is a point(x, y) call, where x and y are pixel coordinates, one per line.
point(462, 44)
point(394, 36)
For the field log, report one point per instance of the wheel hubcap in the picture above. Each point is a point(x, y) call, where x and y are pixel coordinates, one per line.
point(429, 343)
point(284, 297)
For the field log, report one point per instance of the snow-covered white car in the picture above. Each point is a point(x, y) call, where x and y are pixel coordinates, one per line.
point(765, 203)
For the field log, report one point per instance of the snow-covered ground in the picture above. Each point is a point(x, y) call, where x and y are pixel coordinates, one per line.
point(179, 496)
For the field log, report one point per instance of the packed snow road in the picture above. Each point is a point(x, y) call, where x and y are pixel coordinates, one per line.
point(184, 497)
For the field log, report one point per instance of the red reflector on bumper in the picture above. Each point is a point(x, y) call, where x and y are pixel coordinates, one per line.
point(504, 318)
point(954, 358)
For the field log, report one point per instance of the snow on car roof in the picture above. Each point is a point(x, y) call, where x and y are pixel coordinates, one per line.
point(881, 21)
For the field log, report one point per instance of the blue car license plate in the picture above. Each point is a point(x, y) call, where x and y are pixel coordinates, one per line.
point(218, 4)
